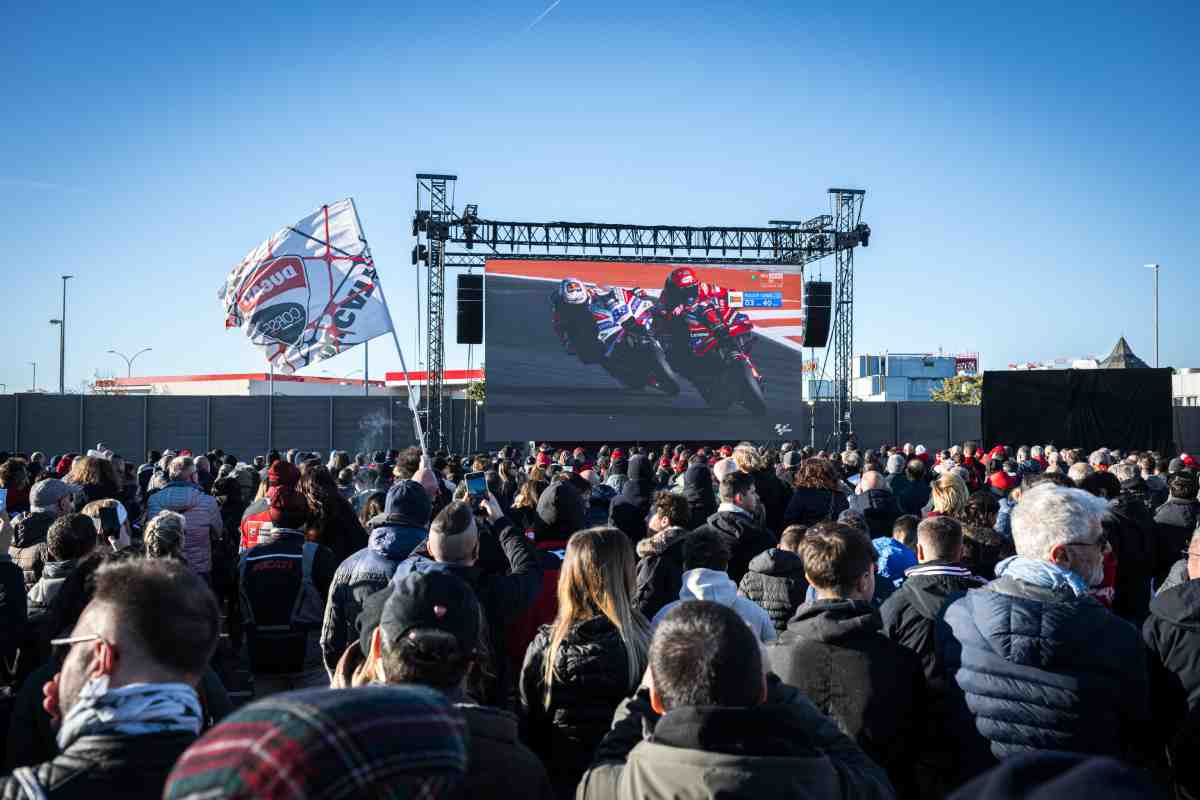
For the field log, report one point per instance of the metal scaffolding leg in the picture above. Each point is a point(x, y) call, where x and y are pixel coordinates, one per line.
point(847, 210)
point(436, 188)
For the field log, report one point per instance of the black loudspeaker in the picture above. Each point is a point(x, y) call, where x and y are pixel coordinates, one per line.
point(470, 309)
point(818, 299)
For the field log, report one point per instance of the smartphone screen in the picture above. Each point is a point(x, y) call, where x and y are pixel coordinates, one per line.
point(3, 497)
point(476, 484)
point(109, 520)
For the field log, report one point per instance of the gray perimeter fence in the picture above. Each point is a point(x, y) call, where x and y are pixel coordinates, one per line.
point(249, 426)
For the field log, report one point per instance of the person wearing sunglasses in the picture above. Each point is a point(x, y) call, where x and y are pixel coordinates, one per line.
point(124, 704)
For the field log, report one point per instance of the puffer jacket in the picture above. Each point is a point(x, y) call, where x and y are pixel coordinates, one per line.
point(591, 678)
point(659, 570)
point(108, 766)
point(810, 506)
point(775, 582)
point(745, 537)
point(28, 549)
point(873, 688)
point(42, 594)
point(358, 577)
point(1041, 669)
point(783, 748)
point(203, 517)
point(1172, 635)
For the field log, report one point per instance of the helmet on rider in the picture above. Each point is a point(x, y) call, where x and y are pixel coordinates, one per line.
point(572, 291)
point(682, 286)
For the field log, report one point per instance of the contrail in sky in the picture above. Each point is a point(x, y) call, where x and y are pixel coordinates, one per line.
point(543, 15)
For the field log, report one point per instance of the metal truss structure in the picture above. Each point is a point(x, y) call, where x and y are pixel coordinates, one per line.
point(786, 244)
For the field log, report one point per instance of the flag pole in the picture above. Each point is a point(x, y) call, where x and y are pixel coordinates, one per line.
point(412, 399)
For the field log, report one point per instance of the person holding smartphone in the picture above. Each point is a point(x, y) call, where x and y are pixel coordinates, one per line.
point(112, 523)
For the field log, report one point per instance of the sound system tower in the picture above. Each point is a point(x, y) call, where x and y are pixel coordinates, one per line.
point(818, 302)
point(470, 309)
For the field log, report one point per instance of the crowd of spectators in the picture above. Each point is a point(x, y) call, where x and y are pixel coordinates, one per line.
point(678, 620)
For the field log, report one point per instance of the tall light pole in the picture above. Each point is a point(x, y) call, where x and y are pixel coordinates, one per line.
point(62, 337)
point(34, 365)
point(1155, 268)
point(129, 360)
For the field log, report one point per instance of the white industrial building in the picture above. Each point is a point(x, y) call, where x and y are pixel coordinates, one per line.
point(260, 384)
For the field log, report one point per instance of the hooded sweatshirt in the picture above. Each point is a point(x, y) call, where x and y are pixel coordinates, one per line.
point(716, 587)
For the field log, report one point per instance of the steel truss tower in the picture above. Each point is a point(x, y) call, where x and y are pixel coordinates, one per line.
point(847, 212)
point(435, 212)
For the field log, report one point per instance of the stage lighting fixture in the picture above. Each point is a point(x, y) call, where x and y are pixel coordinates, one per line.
point(420, 253)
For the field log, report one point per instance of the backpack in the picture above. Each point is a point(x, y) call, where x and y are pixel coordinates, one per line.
point(277, 646)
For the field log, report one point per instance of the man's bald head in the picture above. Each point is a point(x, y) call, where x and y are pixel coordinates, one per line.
point(872, 480)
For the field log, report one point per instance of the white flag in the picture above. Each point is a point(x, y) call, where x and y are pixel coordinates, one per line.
point(309, 292)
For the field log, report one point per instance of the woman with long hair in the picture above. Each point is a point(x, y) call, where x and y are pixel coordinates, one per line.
point(94, 479)
point(331, 518)
point(524, 506)
point(818, 494)
point(949, 496)
point(579, 668)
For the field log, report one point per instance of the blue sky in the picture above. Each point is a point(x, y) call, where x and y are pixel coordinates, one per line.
point(1021, 162)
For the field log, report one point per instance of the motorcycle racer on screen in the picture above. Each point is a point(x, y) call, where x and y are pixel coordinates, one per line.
point(709, 342)
point(612, 327)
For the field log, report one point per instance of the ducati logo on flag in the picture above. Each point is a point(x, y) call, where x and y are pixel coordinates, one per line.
point(309, 292)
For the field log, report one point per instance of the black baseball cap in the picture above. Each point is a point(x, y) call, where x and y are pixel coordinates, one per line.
point(433, 599)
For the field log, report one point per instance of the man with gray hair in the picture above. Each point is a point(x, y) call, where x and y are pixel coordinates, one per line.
point(182, 495)
point(1078, 471)
point(1033, 645)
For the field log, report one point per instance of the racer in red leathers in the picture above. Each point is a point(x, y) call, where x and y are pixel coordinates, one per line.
point(682, 293)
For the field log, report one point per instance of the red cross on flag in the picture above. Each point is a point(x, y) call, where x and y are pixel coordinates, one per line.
point(308, 292)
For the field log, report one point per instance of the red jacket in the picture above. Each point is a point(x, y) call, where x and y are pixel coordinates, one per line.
point(521, 630)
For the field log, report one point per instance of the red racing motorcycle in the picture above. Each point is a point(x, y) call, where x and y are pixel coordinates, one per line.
point(720, 365)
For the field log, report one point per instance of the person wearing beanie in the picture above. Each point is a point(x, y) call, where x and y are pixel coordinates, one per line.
point(375, 741)
point(430, 633)
point(257, 517)
point(393, 535)
point(283, 582)
point(49, 499)
point(631, 506)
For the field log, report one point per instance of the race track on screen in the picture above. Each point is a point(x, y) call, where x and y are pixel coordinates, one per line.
point(535, 391)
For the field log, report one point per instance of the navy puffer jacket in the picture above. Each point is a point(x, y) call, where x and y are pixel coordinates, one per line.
point(1045, 670)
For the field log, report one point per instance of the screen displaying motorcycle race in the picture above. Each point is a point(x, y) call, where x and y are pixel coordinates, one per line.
point(597, 350)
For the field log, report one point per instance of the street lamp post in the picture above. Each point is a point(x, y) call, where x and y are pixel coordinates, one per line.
point(34, 365)
point(62, 338)
point(129, 360)
point(1155, 268)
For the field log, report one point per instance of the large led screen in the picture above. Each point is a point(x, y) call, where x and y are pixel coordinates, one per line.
point(597, 350)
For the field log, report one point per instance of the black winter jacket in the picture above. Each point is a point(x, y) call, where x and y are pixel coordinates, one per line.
point(776, 582)
point(745, 537)
point(879, 508)
point(872, 687)
point(912, 496)
point(591, 678)
point(1131, 531)
point(1172, 635)
point(911, 613)
point(699, 492)
point(108, 766)
point(629, 508)
point(775, 495)
point(1176, 519)
point(659, 570)
point(13, 608)
point(810, 506)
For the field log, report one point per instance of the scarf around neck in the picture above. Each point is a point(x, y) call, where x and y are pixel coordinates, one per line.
point(1043, 574)
point(133, 710)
